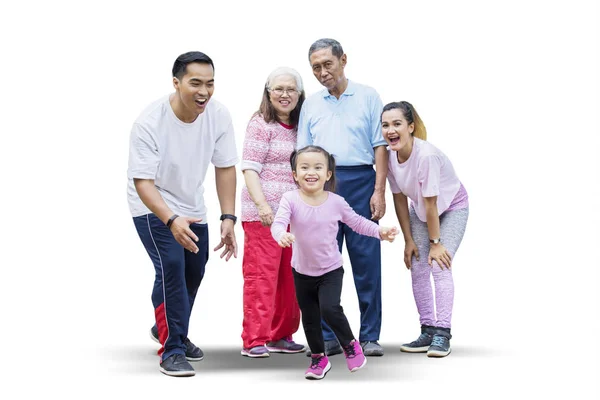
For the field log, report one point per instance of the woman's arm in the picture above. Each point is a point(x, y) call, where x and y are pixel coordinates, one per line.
point(258, 197)
point(410, 247)
point(437, 251)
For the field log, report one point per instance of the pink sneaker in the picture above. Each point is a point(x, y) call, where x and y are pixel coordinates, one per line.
point(319, 366)
point(354, 356)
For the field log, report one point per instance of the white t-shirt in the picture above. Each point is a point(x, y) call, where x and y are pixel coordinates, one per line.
point(177, 154)
point(426, 173)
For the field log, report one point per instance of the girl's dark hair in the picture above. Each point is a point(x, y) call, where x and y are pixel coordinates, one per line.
point(330, 184)
point(410, 114)
point(181, 63)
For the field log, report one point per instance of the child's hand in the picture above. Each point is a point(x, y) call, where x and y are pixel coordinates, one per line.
point(388, 234)
point(286, 240)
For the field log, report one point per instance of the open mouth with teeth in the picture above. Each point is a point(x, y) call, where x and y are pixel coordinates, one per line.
point(201, 102)
point(284, 103)
point(394, 139)
point(311, 180)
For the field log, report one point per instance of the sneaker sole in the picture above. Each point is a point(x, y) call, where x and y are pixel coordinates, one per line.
point(438, 354)
point(286, 351)
point(359, 367)
point(407, 349)
point(194, 358)
point(246, 354)
point(312, 377)
point(177, 373)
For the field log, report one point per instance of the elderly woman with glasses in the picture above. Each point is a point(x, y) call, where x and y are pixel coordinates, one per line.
point(271, 312)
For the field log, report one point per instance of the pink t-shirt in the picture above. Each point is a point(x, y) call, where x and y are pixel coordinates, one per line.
point(267, 150)
point(426, 173)
point(315, 251)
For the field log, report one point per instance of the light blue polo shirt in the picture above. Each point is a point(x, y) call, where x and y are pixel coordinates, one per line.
point(348, 128)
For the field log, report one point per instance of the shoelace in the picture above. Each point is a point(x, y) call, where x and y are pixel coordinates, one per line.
point(349, 350)
point(438, 341)
point(314, 362)
point(423, 338)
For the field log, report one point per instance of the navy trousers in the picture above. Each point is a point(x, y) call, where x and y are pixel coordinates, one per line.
point(356, 185)
point(178, 276)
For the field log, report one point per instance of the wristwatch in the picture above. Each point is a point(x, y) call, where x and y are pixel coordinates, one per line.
point(229, 216)
point(435, 241)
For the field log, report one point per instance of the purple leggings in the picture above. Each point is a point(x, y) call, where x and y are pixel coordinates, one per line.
point(452, 229)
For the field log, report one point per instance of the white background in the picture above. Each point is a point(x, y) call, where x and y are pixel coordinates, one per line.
point(507, 89)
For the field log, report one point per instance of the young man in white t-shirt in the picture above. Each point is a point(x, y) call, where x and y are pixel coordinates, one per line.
point(172, 143)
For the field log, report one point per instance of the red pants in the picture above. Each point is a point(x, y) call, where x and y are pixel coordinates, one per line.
point(271, 310)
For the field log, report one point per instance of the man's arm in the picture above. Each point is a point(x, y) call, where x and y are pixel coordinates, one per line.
point(304, 137)
point(180, 227)
point(381, 169)
point(226, 185)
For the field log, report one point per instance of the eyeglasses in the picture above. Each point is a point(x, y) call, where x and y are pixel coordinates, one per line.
point(279, 91)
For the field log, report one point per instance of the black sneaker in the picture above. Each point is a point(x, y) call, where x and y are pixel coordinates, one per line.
point(421, 345)
point(154, 334)
point(440, 345)
point(192, 352)
point(177, 365)
point(332, 347)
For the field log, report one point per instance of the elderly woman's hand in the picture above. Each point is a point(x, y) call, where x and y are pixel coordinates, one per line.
point(265, 214)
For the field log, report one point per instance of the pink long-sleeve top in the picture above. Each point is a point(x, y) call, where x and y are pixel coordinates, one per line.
point(316, 251)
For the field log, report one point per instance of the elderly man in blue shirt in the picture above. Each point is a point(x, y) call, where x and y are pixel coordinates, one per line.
point(345, 119)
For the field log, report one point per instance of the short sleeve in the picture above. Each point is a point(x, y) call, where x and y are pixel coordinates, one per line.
point(394, 187)
point(376, 109)
point(304, 136)
point(225, 153)
point(144, 157)
point(256, 145)
point(428, 174)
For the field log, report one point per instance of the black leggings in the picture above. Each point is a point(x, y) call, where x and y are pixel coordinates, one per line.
point(319, 297)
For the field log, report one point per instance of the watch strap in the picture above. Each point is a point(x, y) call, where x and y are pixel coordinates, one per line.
point(229, 216)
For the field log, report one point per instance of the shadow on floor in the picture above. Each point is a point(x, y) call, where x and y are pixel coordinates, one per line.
point(222, 360)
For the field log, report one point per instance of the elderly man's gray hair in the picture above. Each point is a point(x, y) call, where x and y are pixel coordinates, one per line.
point(336, 47)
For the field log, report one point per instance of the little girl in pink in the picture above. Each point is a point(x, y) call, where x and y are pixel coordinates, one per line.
point(313, 212)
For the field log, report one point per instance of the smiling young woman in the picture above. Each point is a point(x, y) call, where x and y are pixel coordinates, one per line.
point(434, 225)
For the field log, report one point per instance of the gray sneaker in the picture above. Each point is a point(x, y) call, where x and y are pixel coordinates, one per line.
point(285, 345)
point(177, 365)
point(332, 347)
point(440, 345)
point(256, 352)
point(421, 345)
point(371, 348)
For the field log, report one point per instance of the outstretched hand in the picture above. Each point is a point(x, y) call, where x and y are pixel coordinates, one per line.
point(388, 234)
point(286, 240)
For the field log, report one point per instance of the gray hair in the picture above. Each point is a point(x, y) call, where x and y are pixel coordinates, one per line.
point(336, 47)
point(285, 71)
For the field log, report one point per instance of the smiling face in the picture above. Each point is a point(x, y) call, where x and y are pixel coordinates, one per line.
point(284, 95)
point(396, 131)
point(328, 69)
point(311, 172)
point(194, 89)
